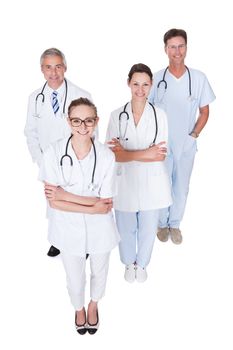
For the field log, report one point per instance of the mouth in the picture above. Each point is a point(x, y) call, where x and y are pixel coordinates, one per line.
point(82, 133)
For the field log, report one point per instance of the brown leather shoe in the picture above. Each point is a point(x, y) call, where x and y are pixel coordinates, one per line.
point(163, 234)
point(176, 236)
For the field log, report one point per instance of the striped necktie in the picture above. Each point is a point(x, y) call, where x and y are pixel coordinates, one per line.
point(55, 103)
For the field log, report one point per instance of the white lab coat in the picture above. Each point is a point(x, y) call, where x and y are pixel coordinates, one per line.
point(45, 127)
point(141, 185)
point(77, 233)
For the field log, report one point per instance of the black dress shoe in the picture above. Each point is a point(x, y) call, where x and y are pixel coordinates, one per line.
point(81, 329)
point(53, 251)
point(92, 328)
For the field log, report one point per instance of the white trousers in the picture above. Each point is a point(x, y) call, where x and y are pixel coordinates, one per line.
point(138, 232)
point(75, 267)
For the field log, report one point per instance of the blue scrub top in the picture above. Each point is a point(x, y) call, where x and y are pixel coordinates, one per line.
point(181, 109)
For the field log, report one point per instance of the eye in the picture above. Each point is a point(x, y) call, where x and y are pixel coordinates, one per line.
point(90, 121)
point(75, 122)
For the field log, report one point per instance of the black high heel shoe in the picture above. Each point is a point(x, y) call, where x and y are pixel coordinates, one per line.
point(92, 328)
point(81, 329)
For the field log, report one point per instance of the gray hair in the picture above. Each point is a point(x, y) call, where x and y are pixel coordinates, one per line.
point(53, 52)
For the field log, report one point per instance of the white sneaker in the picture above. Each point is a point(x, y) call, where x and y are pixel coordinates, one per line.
point(130, 273)
point(141, 274)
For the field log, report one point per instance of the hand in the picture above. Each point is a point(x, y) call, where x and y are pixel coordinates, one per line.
point(54, 193)
point(102, 206)
point(157, 152)
point(115, 145)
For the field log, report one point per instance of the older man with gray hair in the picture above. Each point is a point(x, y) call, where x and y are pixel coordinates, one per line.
point(47, 108)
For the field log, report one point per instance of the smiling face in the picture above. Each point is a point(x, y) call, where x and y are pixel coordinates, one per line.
point(176, 50)
point(54, 70)
point(82, 120)
point(140, 85)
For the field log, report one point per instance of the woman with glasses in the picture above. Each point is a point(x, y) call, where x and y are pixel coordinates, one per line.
point(80, 218)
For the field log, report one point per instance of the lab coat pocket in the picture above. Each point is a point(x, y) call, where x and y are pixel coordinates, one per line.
point(119, 170)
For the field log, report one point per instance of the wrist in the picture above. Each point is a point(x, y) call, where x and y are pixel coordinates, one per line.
point(194, 134)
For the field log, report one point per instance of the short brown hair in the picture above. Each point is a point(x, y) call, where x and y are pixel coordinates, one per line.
point(175, 32)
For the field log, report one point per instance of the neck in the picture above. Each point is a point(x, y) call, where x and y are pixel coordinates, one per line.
point(177, 69)
point(137, 109)
point(81, 146)
point(55, 86)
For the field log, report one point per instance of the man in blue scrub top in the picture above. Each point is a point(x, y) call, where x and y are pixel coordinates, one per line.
point(184, 94)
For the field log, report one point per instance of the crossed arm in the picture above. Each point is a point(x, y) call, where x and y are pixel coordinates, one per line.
point(154, 153)
point(62, 200)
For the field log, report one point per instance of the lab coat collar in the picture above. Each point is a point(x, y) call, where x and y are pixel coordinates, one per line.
point(60, 90)
point(144, 117)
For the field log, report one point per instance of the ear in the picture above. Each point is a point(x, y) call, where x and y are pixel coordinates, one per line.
point(68, 121)
point(165, 49)
point(97, 121)
point(128, 82)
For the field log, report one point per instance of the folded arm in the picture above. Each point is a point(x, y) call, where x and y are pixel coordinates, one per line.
point(102, 206)
point(154, 153)
point(62, 200)
point(56, 193)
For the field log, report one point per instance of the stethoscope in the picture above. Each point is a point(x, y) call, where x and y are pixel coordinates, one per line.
point(92, 185)
point(41, 96)
point(124, 112)
point(163, 81)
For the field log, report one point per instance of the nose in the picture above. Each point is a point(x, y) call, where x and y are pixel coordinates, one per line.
point(83, 125)
point(53, 70)
point(140, 89)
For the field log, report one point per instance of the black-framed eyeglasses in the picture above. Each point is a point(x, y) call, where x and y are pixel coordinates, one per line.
point(88, 122)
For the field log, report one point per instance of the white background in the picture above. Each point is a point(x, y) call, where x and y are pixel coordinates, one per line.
point(186, 303)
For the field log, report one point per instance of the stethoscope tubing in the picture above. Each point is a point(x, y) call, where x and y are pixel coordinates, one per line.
point(43, 96)
point(127, 120)
point(163, 80)
point(71, 160)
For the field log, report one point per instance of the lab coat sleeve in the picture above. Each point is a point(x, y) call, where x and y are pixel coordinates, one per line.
point(112, 130)
point(31, 133)
point(49, 169)
point(108, 187)
point(162, 126)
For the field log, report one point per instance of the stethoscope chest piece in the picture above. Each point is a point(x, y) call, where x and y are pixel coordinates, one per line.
point(123, 124)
